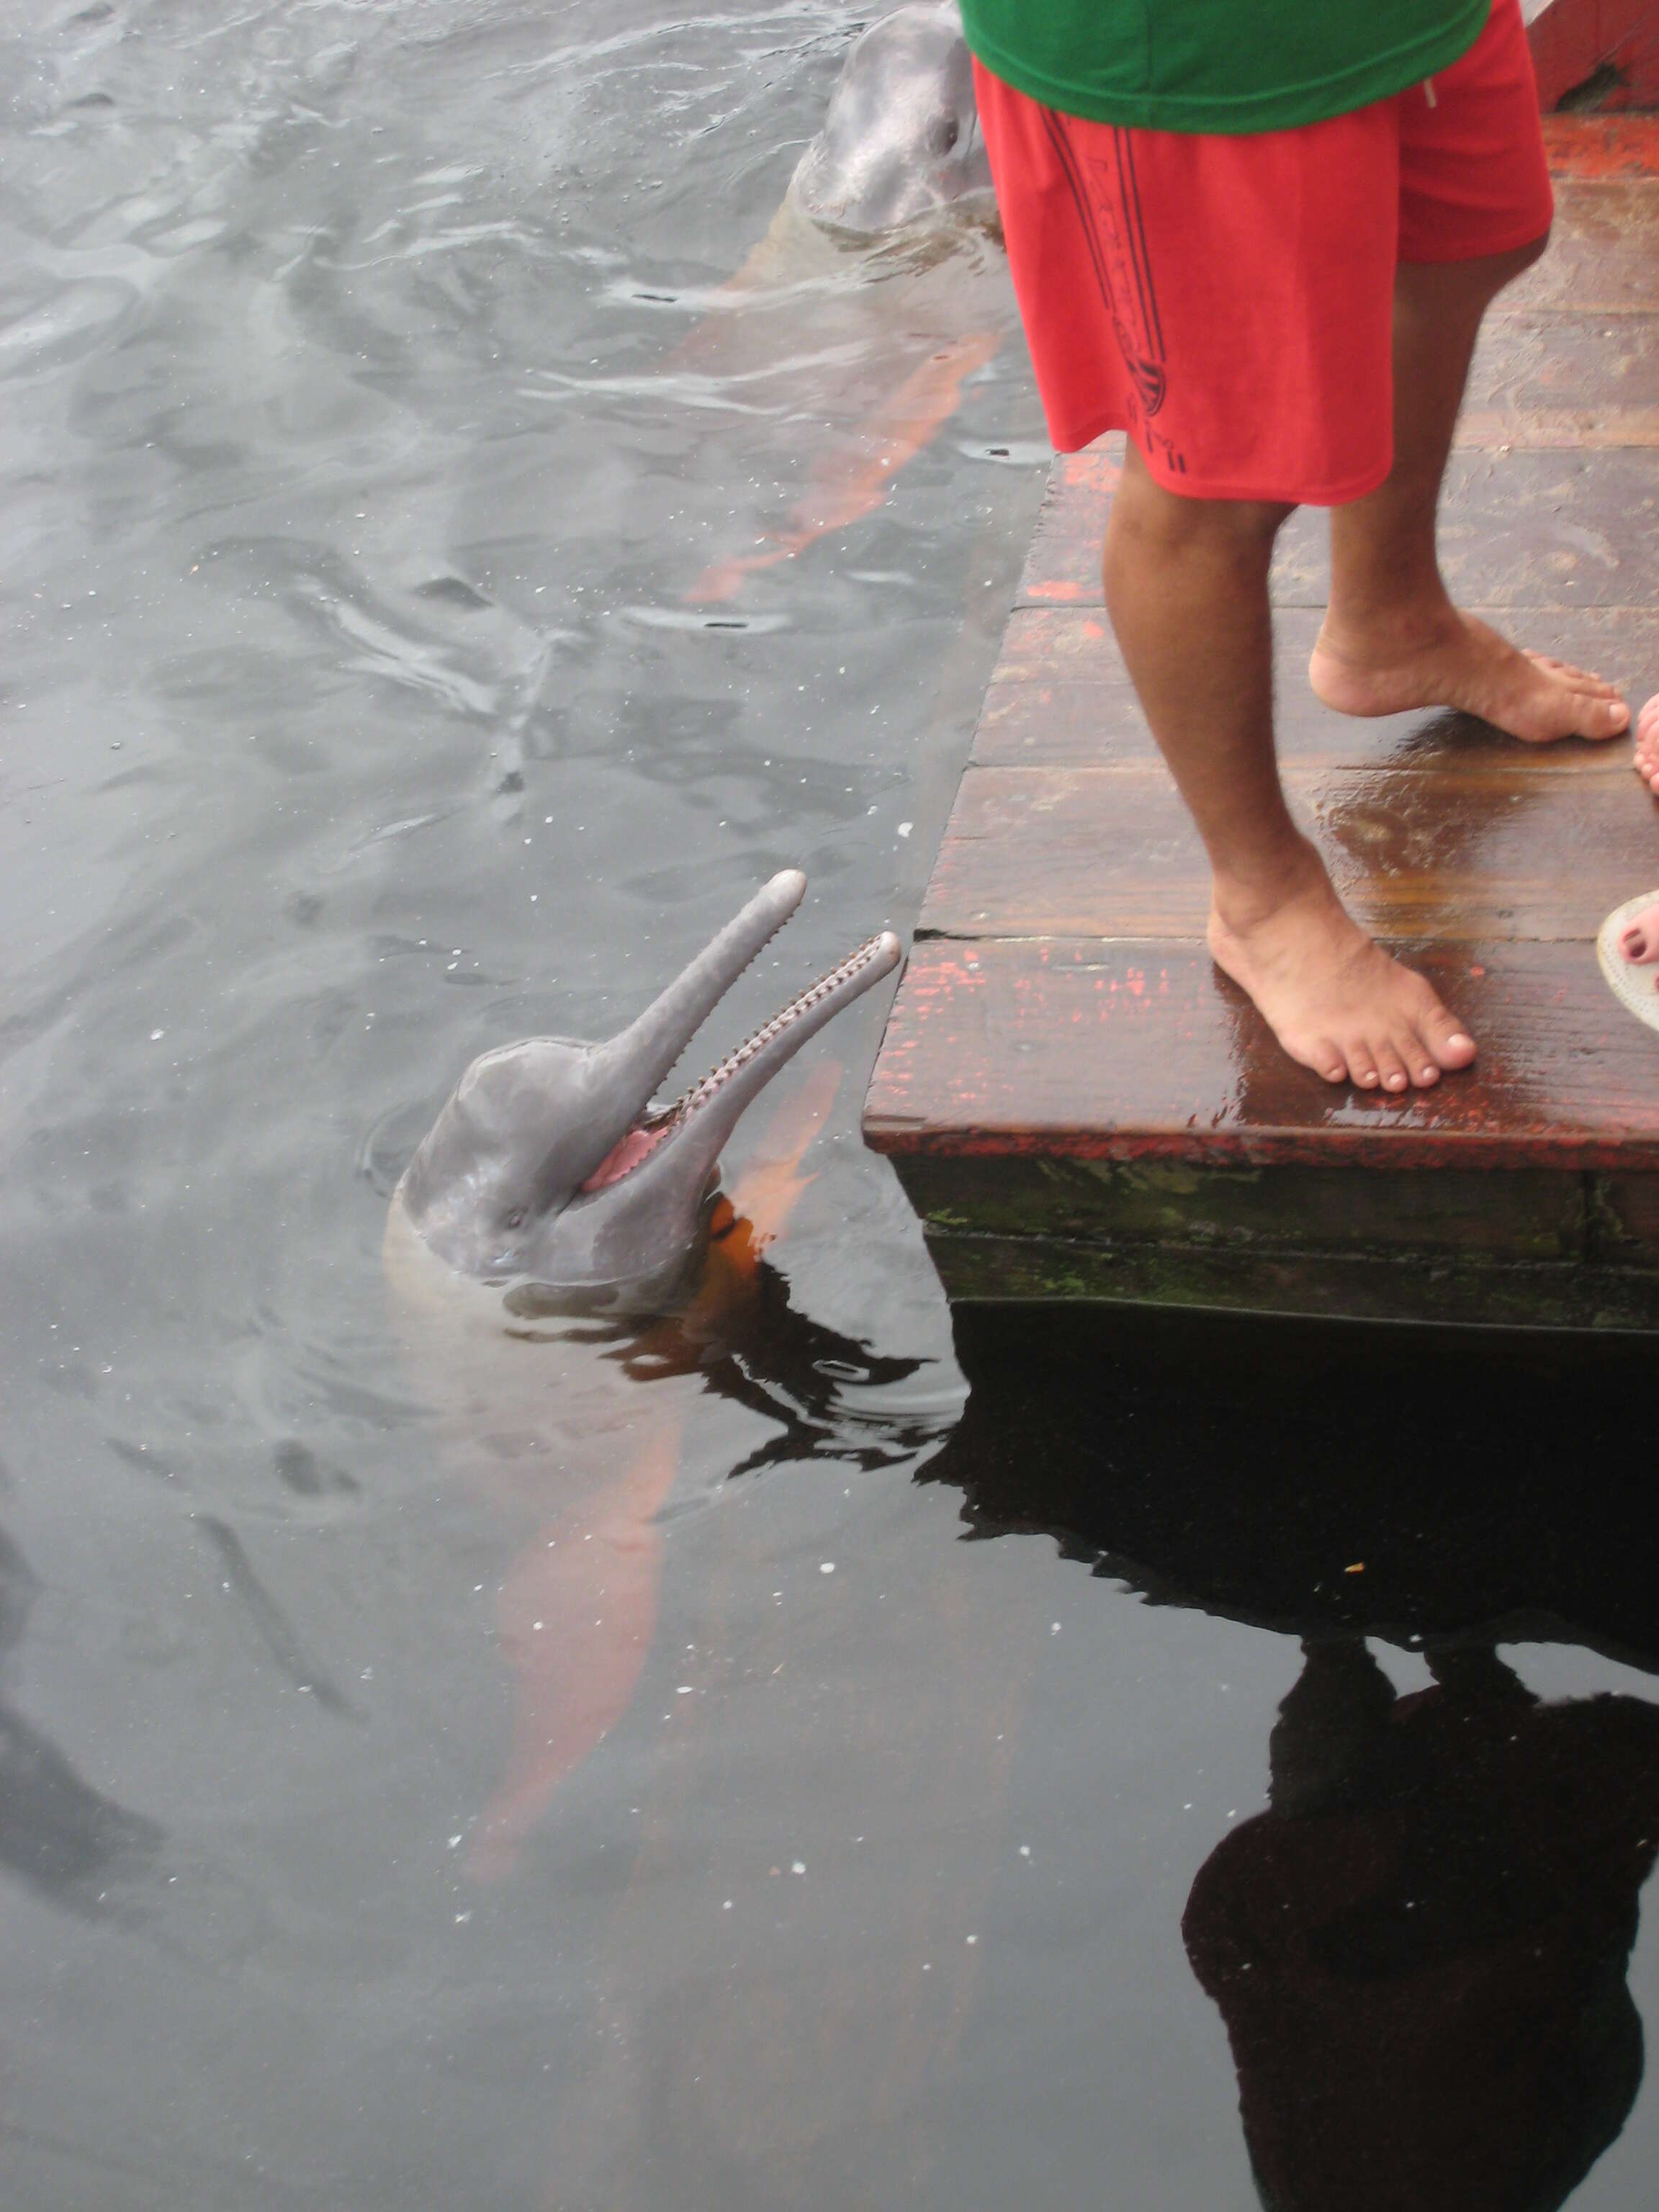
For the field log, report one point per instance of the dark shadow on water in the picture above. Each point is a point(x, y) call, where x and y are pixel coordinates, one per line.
point(1419, 1948)
point(1322, 1478)
point(792, 1370)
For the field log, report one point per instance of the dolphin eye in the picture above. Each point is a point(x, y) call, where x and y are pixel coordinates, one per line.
point(516, 1218)
point(945, 135)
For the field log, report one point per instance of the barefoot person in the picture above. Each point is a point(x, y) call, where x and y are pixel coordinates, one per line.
point(1261, 241)
point(1647, 745)
point(1639, 941)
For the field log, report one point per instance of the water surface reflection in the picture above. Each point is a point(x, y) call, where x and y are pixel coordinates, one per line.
point(1420, 1948)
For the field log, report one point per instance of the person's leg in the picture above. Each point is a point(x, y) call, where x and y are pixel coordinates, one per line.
point(1647, 745)
point(1187, 589)
point(1392, 639)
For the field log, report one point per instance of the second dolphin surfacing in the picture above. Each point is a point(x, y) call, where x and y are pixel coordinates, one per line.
point(567, 1282)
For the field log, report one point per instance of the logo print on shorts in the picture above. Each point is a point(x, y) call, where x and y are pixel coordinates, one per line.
point(1107, 198)
point(1148, 380)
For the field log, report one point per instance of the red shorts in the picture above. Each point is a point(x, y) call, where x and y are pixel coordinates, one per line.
point(1229, 301)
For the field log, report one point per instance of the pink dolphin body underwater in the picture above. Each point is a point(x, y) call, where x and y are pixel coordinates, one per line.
point(554, 1242)
point(875, 266)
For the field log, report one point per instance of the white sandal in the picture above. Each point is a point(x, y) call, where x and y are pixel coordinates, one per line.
point(1636, 986)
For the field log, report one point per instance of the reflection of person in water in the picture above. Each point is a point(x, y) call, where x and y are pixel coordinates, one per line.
point(1419, 1948)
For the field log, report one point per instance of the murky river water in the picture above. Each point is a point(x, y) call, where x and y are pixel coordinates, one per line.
point(373, 420)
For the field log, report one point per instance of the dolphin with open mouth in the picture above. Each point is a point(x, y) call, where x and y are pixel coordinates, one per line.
point(552, 1166)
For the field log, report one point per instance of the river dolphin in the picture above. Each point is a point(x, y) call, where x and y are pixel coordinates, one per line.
point(552, 1164)
point(896, 185)
point(900, 138)
point(569, 1285)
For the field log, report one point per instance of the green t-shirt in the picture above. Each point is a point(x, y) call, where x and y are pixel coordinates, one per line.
point(1219, 66)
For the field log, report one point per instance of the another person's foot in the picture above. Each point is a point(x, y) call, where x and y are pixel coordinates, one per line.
point(1639, 938)
point(1335, 1000)
point(1647, 745)
point(1454, 659)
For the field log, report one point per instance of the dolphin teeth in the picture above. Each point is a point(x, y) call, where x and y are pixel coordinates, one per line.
point(844, 972)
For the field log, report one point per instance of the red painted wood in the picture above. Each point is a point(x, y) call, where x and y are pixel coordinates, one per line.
point(1127, 1050)
point(1571, 39)
point(1595, 148)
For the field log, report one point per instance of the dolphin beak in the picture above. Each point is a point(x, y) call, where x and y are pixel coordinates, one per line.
point(624, 1076)
point(706, 1116)
point(670, 1157)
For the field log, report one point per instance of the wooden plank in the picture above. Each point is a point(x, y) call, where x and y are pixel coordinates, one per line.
point(1571, 40)
point(1062, 563)
point(1601, 259)
point(1603, 148)
point(1552, 378)
point(1463, 855)
point(1537, 529)
point(1061, 696)
point(1536, 357)
point(1124, 1050)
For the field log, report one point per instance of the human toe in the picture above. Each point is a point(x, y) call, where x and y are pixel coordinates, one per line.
point(1391, 1068)
point(1362, 1065)
point(1325, 1059)
point(1639, 941)
point(1580, 679)
point(1600, 715)
point(1448, 1044)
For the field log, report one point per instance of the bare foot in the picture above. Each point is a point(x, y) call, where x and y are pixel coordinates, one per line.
point(1455, 660)
point(1334, 1000)
point(1647, 745)
point(1639, 940)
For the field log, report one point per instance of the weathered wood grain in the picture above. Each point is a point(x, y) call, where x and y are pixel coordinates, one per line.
point(1060, 697)
point(1527, 528)
point(1553, 377)
point(1462, 856)
point(1142, 1051)
point(1601, 259)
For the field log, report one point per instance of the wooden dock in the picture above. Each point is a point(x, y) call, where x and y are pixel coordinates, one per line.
point(1081, 1107)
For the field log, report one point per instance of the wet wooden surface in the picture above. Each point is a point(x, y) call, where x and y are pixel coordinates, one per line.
point(1081, 1106)
point(1534, 527)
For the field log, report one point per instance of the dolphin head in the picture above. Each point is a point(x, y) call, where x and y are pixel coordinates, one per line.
point(902, 135)
point(550, 1164)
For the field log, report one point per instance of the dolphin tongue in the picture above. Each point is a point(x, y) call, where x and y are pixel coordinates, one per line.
point(638, 1144)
